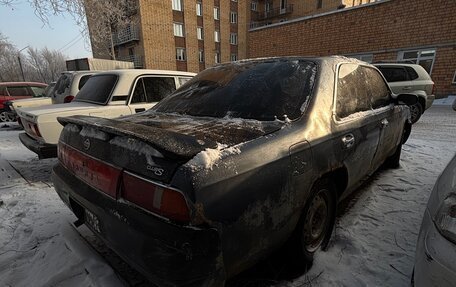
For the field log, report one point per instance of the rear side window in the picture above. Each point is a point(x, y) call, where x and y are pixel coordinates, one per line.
point(411, 73)
point(97, 90)
point(63, 83)
point(82, 81)
point(183, 80)
point(394, 74)
point(18, 91)
point(38, 91)
point(153, 89)
point(352, 91)
point(378, 90)
point(3, 91)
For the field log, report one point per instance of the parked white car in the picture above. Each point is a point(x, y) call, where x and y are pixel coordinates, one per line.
point(108, 94)
point(410, 79)
point(435, 258)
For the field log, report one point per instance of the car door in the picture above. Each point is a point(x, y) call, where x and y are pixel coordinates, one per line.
point(386, 113)
point(149, 90)
point(356, 130)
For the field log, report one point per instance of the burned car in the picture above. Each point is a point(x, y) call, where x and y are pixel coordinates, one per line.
point(240, 160)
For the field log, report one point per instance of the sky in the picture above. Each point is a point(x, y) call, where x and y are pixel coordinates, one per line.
point(23, 28)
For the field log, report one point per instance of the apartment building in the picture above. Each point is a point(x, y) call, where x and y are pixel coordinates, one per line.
point(191, 35)
point(268, 12)
point(184, 35)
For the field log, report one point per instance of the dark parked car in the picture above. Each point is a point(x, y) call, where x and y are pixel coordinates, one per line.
point(241, 159)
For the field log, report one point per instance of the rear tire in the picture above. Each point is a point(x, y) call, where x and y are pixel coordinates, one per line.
point(416, 111)
point(317, 221)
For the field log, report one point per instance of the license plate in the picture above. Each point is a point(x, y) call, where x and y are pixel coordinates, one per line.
point(92, 221)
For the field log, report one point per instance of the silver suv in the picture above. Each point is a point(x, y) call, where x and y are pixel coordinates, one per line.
point(69, 84)
point(410, 79)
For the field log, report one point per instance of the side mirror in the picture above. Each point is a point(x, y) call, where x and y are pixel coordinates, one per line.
point(406, 99)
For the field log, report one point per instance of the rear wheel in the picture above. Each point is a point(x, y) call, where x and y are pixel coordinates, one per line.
point(416, 111)
point(317, 220)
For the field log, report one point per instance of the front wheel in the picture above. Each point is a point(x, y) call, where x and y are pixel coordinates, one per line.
point(416, 111)
point(4, 117)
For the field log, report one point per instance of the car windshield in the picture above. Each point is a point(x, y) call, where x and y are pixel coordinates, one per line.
point(261, 90)
point(97, 89)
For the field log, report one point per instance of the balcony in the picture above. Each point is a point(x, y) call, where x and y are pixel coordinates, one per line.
point(136, 59)
point(276, 12)
point(126, 35)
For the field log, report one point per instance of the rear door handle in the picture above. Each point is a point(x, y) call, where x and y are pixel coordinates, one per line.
point(348, 141)
point(385, 123)
point(140, 110)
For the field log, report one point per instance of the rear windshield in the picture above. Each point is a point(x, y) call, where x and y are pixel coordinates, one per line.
point(63, 83)
point(97, 89)
point(253, 90)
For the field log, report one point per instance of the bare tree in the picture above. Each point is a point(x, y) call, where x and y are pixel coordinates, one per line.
point(42, 65)
point(106, 17)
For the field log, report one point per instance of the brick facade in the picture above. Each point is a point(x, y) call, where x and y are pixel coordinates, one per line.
point(382, 29)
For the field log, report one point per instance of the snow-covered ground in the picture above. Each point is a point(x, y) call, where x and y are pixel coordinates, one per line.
point(373, 244)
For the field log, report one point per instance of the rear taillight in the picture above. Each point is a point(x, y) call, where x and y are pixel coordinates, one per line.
point(158, 199)
point(35, 130)
point(95, 173)
point(68, 99)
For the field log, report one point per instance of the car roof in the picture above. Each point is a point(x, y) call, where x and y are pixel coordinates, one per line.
point(23, 84)
point(137, 72)
point(335, 59)
point(396, 64)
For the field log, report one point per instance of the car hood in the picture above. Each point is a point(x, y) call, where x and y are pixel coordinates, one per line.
point(178, 135)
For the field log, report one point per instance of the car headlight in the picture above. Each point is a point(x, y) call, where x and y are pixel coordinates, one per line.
point(445, 218)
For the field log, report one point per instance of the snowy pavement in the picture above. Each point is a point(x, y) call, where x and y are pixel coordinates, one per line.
point(373, 244)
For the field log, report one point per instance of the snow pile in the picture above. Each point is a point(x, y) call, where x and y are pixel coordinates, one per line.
point(448, 101)
point(38, 247)
point(208, 158)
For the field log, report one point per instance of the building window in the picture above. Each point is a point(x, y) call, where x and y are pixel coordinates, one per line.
point(180, 54)
point(254, 5)
point(233, 57)
point(217, 57)
point(319, 4)
point(233, 38)
point(201, 56)
point(178, 30)
point(233, 17)
point(217, 36)
point(363, 57)
point(424, 58)
point(216, 13)
point(177, 5)
point(199, 33)
point(267, 6)
point(199, 9)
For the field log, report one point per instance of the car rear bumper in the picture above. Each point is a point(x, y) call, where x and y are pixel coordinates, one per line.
point(429, 100)
point(435, 257)
point(166, 253)
point(41, 149)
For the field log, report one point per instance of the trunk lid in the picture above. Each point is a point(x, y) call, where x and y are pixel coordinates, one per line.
point(155, 145)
